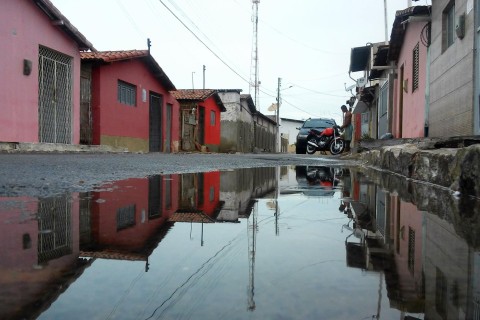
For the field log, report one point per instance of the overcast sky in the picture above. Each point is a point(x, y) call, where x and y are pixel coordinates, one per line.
point(307, 43)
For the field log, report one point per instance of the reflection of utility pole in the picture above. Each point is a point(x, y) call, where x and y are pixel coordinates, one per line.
point(251, 234)
point(277, 118)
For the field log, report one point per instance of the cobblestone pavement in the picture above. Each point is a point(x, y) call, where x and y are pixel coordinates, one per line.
point(47, 174)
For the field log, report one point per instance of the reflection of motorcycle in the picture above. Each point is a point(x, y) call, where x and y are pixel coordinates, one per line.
point(327, 140)
point(323, 176)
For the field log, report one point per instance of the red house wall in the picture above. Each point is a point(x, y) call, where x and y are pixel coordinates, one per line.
point(128, 192)
point(210, 180)
point(24, 27)
point(114, 119)
point(212, 132)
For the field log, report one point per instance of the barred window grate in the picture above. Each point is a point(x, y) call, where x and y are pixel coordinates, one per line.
point(126, 217)
point(416, 67)
point(54, 96)
point(127, 93)
point(55, 229)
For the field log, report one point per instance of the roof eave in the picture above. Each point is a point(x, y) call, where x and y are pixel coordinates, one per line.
point(64, 24)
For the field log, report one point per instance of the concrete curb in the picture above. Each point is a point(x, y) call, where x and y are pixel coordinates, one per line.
point(454, 168)
point(16, 147)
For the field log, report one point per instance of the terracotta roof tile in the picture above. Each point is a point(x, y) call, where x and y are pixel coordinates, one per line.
point(193, 94)
point(192, 216)
point(115, 56)
point(111, 56)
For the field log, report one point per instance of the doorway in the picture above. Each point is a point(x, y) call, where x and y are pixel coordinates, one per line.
point(155, 119)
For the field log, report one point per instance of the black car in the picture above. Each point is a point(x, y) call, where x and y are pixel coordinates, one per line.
point(317, 123)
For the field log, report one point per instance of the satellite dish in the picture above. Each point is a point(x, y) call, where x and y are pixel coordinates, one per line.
point(273, 107)
point(361, 82)
point(351, 87)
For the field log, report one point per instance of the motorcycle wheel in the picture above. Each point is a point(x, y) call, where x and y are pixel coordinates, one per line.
point(337, 146)
point(311, 149)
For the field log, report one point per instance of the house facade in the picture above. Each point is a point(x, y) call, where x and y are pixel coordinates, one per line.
point(453, 105)
point(237, 122)
point(409, 44)
point(131, 105)
point(41, 60)
point(289, 131)
point(199, 119)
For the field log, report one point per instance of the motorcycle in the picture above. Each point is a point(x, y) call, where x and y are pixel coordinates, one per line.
point(327, 140)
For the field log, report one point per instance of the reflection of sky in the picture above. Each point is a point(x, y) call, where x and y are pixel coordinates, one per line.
point(300, 273)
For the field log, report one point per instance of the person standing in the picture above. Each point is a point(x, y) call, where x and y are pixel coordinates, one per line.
point(347, 126)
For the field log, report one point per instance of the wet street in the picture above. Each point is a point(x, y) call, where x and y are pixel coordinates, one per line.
point(279, 242)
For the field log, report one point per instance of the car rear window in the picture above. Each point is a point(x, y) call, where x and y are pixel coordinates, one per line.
point(318, 123)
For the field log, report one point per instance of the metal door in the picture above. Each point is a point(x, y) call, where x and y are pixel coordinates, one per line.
point(54, 96)
point(168, 129)
point(383, 110)
point(155, 138)
point(86, 119)
point(201, 125)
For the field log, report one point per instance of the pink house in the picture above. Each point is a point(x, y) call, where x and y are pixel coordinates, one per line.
point(131, 106)
point(40, 73)
point(408, 48)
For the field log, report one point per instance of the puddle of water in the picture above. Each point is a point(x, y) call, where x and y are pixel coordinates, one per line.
point(264, 243)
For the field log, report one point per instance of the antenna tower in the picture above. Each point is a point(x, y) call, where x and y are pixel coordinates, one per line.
point(254, 83)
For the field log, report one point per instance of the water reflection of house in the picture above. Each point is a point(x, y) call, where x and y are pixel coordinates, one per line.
point(451, 266)
point(128, 223)
point(199, 198)
point(38, 248)
point(391, 243)
point(239, 188)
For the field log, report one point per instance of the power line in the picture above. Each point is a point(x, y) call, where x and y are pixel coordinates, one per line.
point(202, 42)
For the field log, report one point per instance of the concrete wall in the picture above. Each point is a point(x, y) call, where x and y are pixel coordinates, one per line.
point(237, 124)
point(288, 130)
point(451, 76)
point(23, 28)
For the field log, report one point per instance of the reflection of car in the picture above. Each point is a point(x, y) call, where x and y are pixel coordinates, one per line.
point(312, 123)
point(316, 181)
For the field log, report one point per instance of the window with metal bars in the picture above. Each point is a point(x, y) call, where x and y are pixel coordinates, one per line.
point(416, 67)
point(126, 217)
point(127, 93)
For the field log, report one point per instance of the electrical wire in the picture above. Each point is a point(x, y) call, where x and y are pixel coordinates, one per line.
point(204, 44)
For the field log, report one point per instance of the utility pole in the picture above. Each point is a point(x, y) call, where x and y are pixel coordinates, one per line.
point(277, 118)
point(254, 61)
point(193, 87)
point(386, 23)
point(204, 77)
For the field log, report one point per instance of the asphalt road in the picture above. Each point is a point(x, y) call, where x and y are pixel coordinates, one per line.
point(48, 174)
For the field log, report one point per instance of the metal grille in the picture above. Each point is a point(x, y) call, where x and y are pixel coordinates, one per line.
point(55, 96)
point(126, 217)
point(411, 250)
point(86, 119)
point(416, 67)
point(55, 228)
